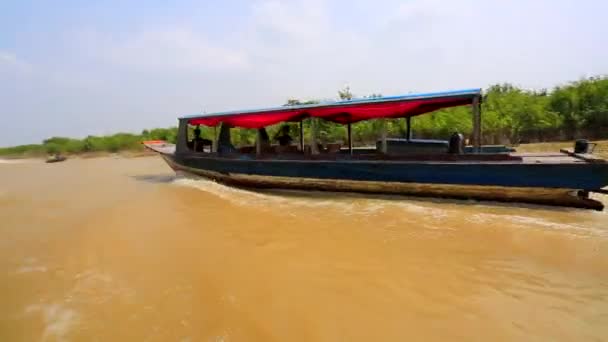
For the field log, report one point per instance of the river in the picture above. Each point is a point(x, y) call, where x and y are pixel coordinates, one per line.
point(116, 249)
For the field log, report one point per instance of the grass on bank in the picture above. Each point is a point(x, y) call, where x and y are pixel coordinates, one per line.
point(134, 148)
point(125, 143)
point(551, 147)
point(510, 115)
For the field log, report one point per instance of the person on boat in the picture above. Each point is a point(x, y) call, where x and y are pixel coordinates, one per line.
point(198, 143)
point(224, 141)
point(197, 131)
point(456, 143)
point(283, 136)
point(264, 138)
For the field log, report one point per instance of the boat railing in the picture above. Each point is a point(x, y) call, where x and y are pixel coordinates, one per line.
point(362, 156)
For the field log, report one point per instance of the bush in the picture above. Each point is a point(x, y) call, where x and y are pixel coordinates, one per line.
point(509, 114)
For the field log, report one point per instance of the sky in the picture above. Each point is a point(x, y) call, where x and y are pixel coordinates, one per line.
point(78, 68)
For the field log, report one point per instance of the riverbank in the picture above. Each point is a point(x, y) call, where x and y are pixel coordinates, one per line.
point(123, 143)
point(84, 155)
point(601, 149)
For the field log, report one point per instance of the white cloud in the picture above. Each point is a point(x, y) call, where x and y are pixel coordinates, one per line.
point(108, 79)
point(301, 51)
point(10, 62)
point(300, 20)
point(309, 49)
point(174, 49)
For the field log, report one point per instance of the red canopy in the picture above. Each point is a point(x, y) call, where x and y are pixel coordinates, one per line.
point(342, 112)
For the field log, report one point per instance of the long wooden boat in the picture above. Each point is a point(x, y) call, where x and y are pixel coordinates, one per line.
point(561, 178)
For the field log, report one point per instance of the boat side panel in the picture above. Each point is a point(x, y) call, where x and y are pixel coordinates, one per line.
point(570, 176)
point(545, 196)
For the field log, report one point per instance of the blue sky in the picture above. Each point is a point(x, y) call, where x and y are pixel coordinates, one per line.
point(74, 68)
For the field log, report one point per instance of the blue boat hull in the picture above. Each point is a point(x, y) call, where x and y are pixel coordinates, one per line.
point(546, 183)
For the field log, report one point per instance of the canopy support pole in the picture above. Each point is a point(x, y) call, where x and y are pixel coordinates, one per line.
point(383, 146)
point(215, 140)
point(182, 137)
point(314, 148)
point(258, 143)
point(476, 125)
point(350, 139)
point(408, 128)
point(302, 135)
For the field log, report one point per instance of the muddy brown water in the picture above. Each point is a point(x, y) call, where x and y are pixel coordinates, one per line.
point(115, 249)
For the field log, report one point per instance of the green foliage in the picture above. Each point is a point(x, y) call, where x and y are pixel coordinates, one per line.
point(110, 143)
point(62, 144)
point(509, 115)
point(582, 104)
point(345, 93)
point(23, 150)
point(167, 134)
point(243, 136)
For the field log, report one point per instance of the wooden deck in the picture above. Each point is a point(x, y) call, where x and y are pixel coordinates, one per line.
point(565, 157)
point(549, 158)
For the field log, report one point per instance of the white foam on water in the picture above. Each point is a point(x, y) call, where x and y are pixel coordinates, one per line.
point(93, 287)
point(263, 200)
point(428, 211)
point(31, 265)
point(432, 215)
point(225, 337)
point(58, 320)
point(539, 222)
point(286, 202)
point(31, 269)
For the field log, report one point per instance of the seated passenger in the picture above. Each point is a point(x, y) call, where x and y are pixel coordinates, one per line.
point(283, 136)
point(456, 144)
point(265, 141)
point(264, 138)
point(224, 140)
point(198, 143)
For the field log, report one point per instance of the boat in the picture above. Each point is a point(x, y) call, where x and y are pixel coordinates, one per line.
point(405, 166)
point(56, 158)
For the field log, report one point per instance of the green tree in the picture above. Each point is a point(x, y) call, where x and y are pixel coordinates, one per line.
point(345, 93)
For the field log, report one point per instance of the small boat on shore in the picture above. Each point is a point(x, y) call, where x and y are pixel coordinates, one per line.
point(434, 168)
point(56, 158)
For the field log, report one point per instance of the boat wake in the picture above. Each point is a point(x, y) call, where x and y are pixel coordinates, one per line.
point(58, 320)
point(427, 213)
point(347, 202)
point(269, 199)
